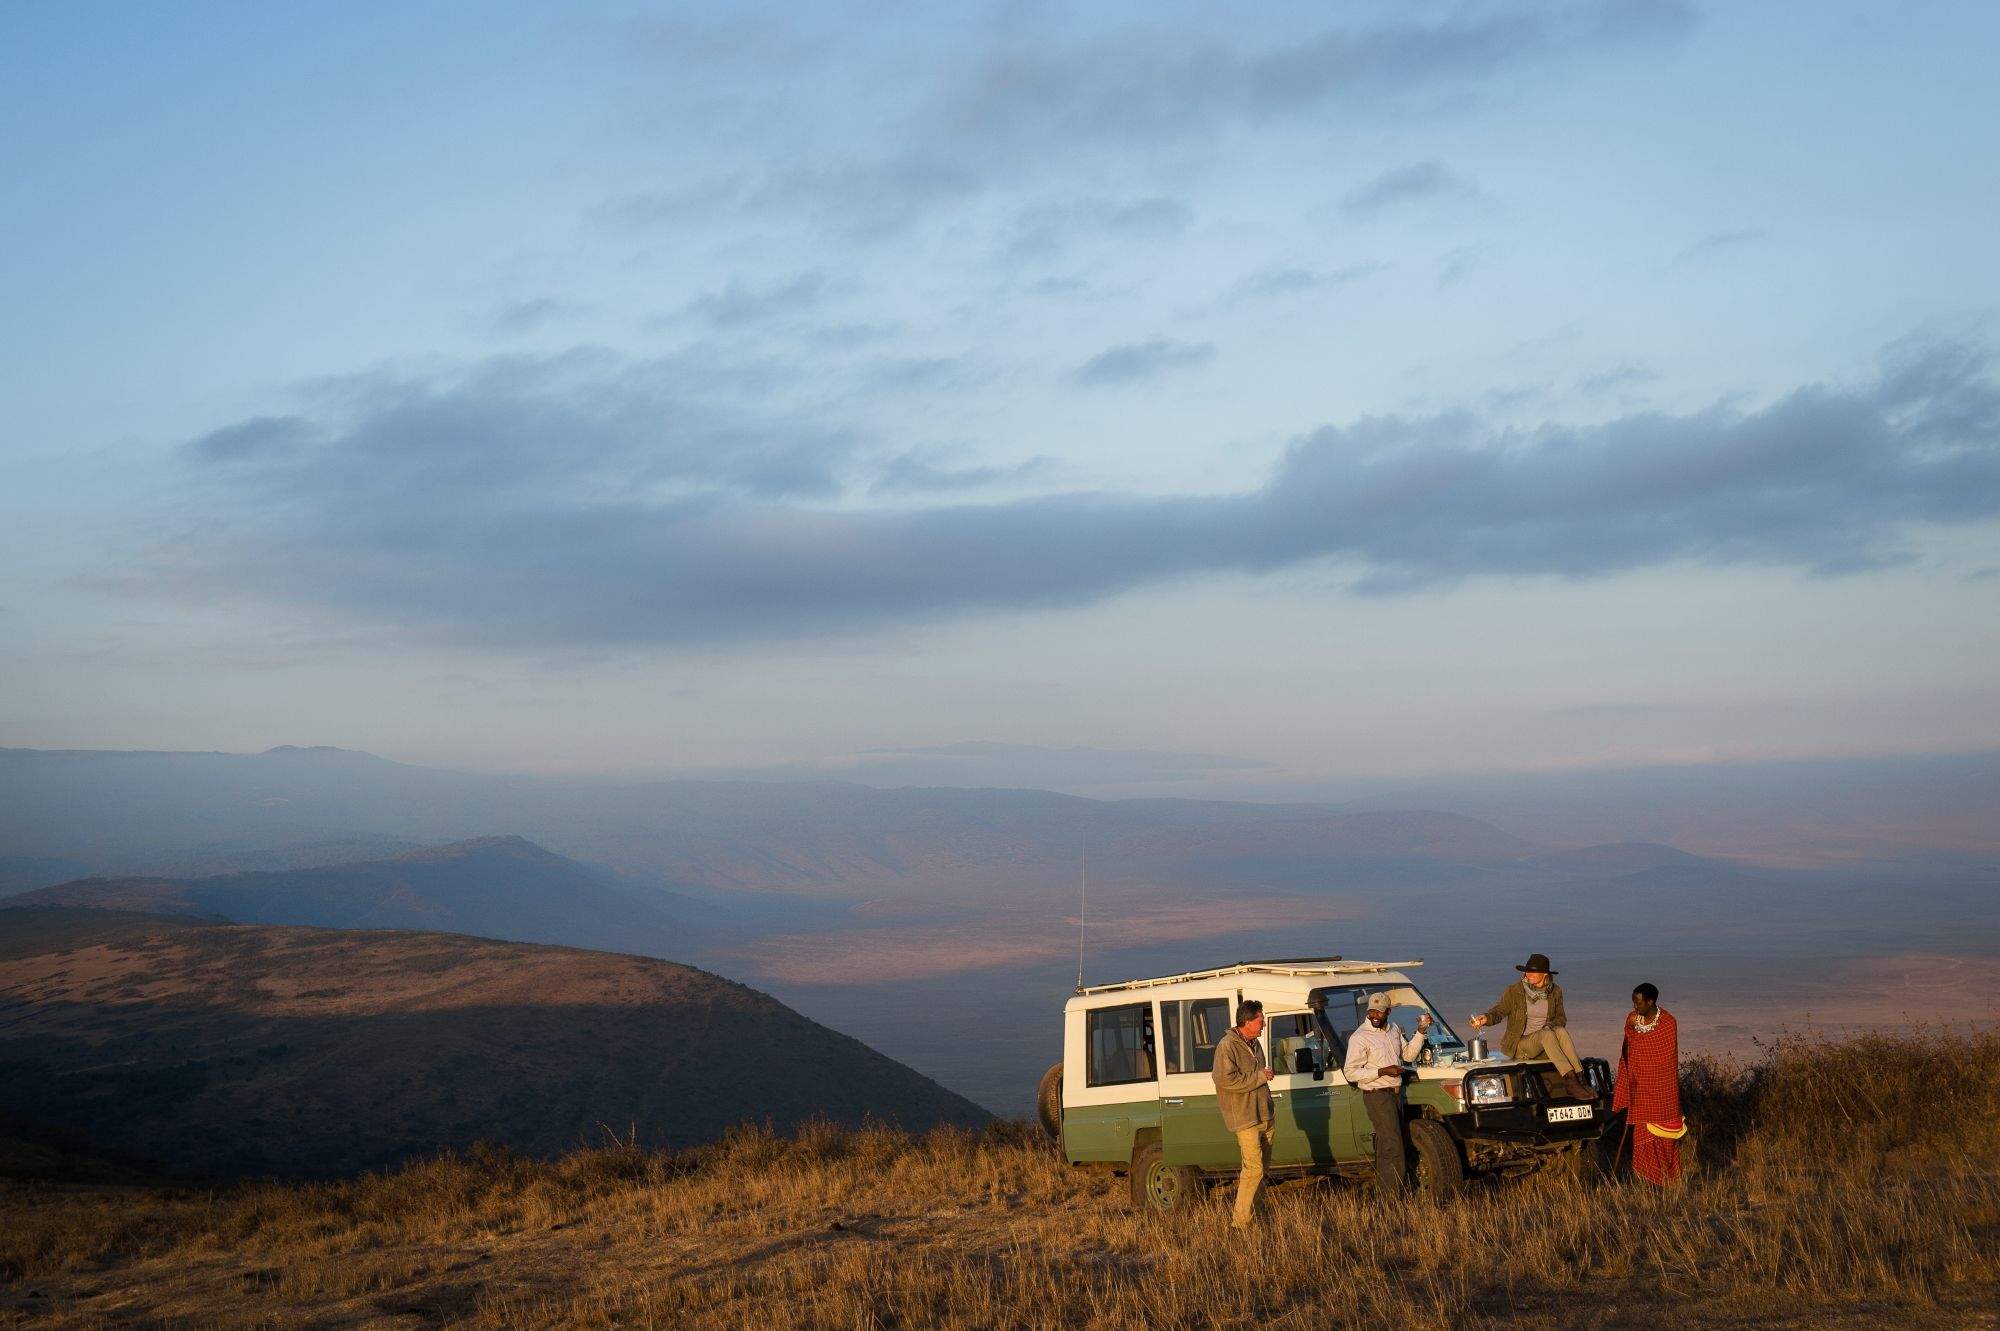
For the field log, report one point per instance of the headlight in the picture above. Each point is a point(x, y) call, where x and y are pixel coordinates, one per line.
point(1491, 1088)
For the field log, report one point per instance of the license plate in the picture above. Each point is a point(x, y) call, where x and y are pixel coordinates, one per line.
point(1568, 1113)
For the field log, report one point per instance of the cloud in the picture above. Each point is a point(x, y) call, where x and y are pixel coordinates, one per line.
point(1628, 375)
point(737, 305)
point(515, 432)
point(525, 316)
point(1458, 265)
point(660, 208)
point(922, 472)
point(1405, 185)
point(1152, 86)
point(922, 374)
point(257, 438)
point(867, 200)
point(1718, 242)
point(1283, 280)
point(584, 501)
point(1133, 361)
point(1040, 99)
point(1045, 230)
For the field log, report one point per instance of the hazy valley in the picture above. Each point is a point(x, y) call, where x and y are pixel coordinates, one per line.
point(940, 925)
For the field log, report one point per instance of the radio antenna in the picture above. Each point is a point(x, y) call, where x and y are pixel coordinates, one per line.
point(1082, 899)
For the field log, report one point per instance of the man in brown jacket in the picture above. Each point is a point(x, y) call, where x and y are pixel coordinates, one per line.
point(1536, 1024)
point(1243, 1092)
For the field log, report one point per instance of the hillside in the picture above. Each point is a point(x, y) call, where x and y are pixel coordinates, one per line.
point(495, 887)
point(827, 1228)
point(232, 1049)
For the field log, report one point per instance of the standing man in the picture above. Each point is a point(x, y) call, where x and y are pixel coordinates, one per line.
point(1649, 1088)
point(1536, 1024)
point(1375, 1056)
point(1243, 1092)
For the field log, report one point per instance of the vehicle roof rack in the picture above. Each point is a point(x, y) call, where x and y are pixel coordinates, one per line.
point(1293, 966)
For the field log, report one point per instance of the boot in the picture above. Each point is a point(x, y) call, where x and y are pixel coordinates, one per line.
point(1577, 1088)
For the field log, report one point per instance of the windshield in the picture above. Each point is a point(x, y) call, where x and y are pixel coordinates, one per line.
point(1346, 1007)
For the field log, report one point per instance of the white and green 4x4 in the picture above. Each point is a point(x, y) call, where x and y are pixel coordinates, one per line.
point(1134, 1094)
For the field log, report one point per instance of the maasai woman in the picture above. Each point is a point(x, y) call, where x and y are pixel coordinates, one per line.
point(1649, 1087)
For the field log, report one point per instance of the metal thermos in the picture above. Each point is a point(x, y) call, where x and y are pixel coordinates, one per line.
point(1478, 1048)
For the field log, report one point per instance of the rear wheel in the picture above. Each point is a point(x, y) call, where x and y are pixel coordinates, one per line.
point(1440, 1168)
point(1161, 1189)
point(1048, 1102)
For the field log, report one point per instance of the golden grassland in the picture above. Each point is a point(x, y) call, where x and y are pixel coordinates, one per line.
point(1854, 1183)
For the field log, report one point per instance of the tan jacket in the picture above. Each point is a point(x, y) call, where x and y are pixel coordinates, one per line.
point(1240, 1088)
point(1513, 1009)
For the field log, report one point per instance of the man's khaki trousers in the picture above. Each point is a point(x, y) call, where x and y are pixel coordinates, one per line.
point(1554, 1044)
point(1255, 1144)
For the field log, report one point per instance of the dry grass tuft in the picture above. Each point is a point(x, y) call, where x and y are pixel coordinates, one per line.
point(1850, 1183)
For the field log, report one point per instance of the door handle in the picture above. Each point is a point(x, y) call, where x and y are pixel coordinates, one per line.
point(1277, 1095)
point(1172, 1100)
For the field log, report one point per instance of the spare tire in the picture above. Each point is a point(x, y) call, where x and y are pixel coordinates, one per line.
point(1048, 1102)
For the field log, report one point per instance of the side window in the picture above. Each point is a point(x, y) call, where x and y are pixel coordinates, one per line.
point(1344, 1014)
point(1121, 1044)
point(1292, 1048)
point(1207, 1023)
point(1170, 1036)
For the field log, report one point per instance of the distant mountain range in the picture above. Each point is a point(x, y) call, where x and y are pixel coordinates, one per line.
point(187, 815)
point(217, 1049)
point(496, 887)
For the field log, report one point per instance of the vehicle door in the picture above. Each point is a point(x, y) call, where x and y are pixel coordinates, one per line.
point(1191, 1126)
point(1110, 1090)
point(1347, 1131)
point(1305, 1095)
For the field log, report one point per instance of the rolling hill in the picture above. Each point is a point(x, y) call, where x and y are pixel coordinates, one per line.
point(221, 1049)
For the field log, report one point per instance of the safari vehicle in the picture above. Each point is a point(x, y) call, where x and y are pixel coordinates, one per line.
point(1134, 1094)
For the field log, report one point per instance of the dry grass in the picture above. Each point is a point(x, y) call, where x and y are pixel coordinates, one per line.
point(1855, 1183)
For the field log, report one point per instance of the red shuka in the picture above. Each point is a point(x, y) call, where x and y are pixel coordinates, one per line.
point(1649, 1091)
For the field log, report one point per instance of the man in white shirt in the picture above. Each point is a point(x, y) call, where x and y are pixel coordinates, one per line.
point(1375, 1056)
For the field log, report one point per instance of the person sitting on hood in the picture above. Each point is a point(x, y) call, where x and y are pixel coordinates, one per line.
point(1536, 1024)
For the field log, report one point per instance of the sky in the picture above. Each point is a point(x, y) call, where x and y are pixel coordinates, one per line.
point(1159, 395)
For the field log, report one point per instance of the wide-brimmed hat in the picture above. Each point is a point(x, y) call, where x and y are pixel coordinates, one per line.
point(1536, 962)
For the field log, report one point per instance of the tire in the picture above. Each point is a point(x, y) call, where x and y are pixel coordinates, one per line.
point(1440, 1168)
point(1048, 1102)
point(1160, 1189)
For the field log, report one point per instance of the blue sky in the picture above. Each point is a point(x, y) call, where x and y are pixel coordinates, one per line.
point(1353, 389)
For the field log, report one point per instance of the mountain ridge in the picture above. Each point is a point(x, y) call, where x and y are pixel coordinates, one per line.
point(503, 887)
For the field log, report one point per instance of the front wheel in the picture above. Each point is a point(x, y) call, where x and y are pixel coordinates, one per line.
point(1440, 1168)
point(1161, 1189)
